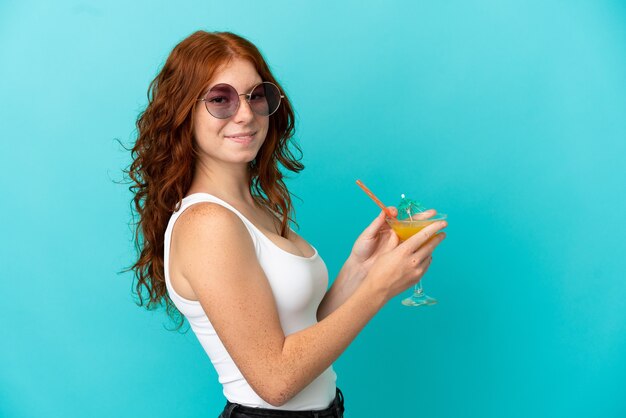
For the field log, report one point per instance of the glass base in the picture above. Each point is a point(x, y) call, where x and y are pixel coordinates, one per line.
point(419, 298)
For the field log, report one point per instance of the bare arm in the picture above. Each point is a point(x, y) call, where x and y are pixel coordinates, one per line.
point(219, 261)
point(347, 282)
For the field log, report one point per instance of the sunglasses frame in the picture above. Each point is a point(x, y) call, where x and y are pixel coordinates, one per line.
point(248, 95)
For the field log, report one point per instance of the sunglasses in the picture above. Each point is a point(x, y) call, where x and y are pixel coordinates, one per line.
point(222, 100)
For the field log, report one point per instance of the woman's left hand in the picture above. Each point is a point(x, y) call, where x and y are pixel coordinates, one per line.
point(378, 238)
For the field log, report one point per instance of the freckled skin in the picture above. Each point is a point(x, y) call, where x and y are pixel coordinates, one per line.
point(212, 260)
point(238, 300)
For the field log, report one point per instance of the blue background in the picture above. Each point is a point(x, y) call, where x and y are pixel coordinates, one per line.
point(509, 116)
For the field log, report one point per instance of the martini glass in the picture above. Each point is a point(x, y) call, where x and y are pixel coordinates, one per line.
point(406, 228)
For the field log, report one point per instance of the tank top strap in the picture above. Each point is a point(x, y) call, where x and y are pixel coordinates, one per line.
point(183, 205)
point(206, 197)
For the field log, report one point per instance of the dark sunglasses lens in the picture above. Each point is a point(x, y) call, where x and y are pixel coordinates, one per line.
point(265, 99)
point(222, 101)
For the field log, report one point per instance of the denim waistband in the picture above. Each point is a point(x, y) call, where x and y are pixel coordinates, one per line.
point(235, 410)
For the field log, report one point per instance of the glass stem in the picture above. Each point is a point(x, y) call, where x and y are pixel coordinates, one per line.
point(418, 288)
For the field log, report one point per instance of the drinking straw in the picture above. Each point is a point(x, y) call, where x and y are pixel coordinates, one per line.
point(374, 198)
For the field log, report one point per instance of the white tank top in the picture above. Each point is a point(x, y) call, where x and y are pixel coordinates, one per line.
point(298, 284)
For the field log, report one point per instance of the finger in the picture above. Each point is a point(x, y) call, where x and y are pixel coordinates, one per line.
point(426, 250)
point(417, 240)
point(390, 240)
point(373, 228)
point(427, 214)
point(424, 268)
point(421, 263)
point(392, 211)
point(426, 262)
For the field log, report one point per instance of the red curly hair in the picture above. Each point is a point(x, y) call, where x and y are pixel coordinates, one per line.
point(165, 152)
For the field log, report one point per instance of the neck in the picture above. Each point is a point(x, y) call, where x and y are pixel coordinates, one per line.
point(224, 180)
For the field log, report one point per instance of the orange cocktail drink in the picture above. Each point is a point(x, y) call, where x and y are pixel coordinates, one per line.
point(406, 228)
point(412, 218)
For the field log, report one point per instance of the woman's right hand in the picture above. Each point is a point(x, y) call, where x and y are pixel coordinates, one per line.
point(404, 266)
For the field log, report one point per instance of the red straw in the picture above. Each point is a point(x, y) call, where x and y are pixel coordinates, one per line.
point(374, 198)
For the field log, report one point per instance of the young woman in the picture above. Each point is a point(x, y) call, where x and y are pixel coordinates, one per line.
point(215, 240)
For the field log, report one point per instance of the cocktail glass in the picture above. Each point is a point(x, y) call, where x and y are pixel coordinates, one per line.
point(406, 228)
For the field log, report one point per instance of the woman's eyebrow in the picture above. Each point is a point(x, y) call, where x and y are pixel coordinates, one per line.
point(254, 85)
point(247, 90)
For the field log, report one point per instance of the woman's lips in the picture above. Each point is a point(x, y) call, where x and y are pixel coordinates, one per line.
point(242, 139)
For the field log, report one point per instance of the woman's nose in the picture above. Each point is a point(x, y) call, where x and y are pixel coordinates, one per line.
point(244, 112)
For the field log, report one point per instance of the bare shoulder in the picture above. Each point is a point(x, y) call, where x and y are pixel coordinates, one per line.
point(207, 215)
point(208, 231)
